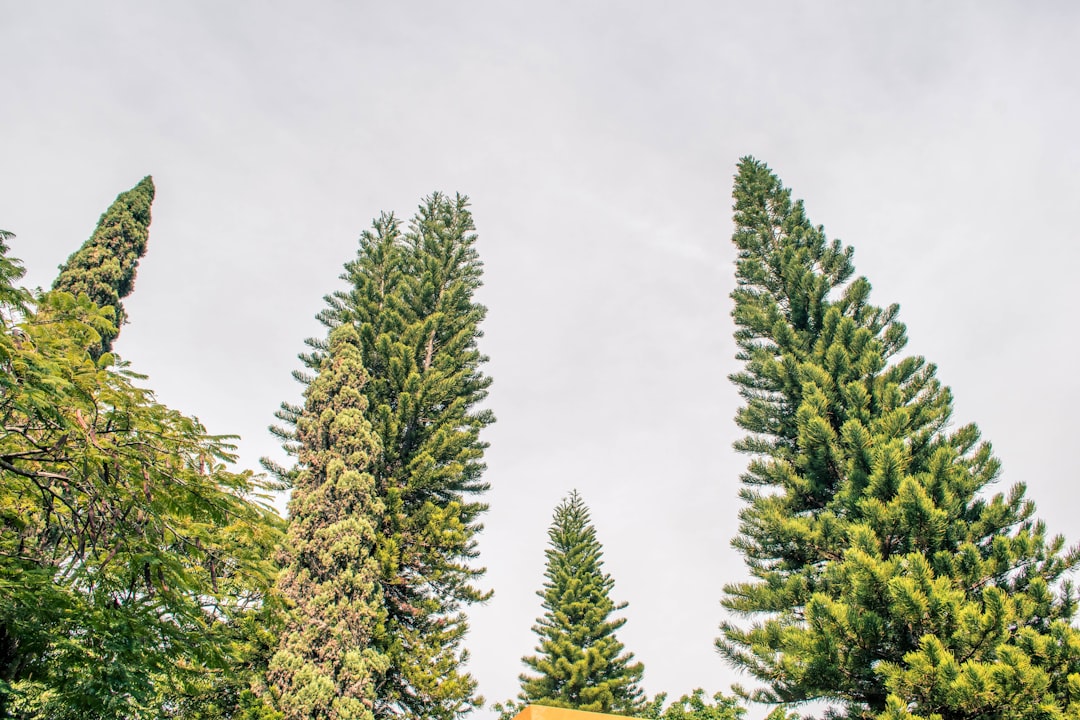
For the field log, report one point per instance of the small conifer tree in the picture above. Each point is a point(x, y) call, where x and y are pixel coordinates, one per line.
point(886, 579)
point(580, 663)
point(104, 267)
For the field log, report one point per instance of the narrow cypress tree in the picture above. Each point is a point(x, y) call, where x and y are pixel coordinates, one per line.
point(580, 664)
point(885, 579)
point(327, 664)
point(410, 303)
point(104, 267)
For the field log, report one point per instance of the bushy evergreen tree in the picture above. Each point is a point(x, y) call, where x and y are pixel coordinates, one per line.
point(410, 302)
point(886, 579)
point(580, 663)
point(104, 267)
point(328, 663)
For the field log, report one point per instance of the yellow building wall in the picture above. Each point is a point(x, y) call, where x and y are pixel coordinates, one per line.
point(541, 712)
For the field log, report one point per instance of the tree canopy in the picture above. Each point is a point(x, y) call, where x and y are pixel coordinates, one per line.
point(143, 576)
point(125, 538)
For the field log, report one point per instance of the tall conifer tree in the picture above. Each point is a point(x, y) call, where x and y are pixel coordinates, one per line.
point(104, 267)
point(580, 664)
point(328, 662)
point(885, 579)
point(410, 301)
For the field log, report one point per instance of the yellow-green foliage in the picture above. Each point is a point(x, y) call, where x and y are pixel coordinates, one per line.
point(328, 662)
point(126, 542)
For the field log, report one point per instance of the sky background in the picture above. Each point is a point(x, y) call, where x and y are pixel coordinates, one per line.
point(598, 143)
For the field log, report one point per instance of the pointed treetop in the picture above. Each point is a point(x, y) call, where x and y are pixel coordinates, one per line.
point(580, 663)
point(104, 267)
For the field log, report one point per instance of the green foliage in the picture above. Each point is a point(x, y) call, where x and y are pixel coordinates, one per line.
point(508, 709)
point(328, 661)
point(125, 540)
point(695, 706)
point(238, 691)
point(409, 303)
point(580, 664)
point(12, 297)
point(104, 267)
point(886, 579)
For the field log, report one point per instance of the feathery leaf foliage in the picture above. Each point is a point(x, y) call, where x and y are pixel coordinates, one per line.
point(125, 540)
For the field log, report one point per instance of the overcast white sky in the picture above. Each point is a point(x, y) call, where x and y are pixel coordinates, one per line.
point(598, 143)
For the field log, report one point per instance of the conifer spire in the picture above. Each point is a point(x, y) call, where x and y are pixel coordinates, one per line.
point(886, 579)
point(104, 267)
point(580, 664)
